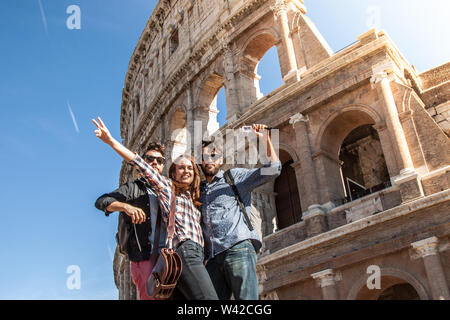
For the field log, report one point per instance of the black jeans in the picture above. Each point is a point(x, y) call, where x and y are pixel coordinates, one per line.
point(194, 283)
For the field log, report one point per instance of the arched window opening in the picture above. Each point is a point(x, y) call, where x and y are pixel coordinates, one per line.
point(363, 169)
point(209, 99)
point(392, 287)
point(269, 71)
point(287, 199)
point(138, 106)
point(221, 107)
point(252, 63)
point(401, 291)
point(174, 42)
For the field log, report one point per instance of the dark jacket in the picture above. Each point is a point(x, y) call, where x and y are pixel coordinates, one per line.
point(135, 194)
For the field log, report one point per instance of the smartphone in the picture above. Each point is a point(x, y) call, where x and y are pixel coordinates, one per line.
point(250, 128)
point(246, 128)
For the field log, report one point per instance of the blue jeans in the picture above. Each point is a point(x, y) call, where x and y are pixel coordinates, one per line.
point(194, 282)
point(234, 272)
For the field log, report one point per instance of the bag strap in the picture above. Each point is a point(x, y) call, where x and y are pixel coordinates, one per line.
point(230, 180)
point(156, 237)
point(171, 226)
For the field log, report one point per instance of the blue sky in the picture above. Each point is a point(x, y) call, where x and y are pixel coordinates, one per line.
point(52, 167)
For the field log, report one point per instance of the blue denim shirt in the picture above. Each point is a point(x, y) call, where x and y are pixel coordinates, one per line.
point(223, 222)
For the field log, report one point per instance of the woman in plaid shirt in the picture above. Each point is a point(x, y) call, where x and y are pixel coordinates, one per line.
point(194, 283)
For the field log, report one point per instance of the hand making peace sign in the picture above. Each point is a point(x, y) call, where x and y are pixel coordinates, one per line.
point(102, 132)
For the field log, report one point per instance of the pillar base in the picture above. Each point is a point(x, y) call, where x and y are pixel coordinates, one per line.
point(315, 221)
point(292, 77)
point(410, 185)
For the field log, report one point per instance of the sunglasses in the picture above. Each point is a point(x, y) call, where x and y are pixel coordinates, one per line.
point(150, 159)
point(211, 157)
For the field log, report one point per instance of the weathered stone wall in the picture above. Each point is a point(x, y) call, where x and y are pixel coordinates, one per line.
point(189, 50)
point(435, 76)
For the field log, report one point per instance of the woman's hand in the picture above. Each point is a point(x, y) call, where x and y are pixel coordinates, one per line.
point(102, 132)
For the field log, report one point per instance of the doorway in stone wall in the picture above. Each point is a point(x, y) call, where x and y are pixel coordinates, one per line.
point(287, 199)
point(363, 169)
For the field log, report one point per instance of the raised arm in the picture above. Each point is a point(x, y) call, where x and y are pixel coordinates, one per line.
point(103, 134)
point(259, 130)
point(162, 185)
point(249, 179)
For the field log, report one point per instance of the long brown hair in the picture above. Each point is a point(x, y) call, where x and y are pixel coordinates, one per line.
point(194, 187)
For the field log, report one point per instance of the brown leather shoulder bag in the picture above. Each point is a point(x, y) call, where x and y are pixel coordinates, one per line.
point(167, 266)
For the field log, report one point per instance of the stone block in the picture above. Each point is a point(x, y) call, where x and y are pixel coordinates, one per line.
point(364, 208)
point(411, 190)
point(368, 37)
point(431, 111)
point(316, 225)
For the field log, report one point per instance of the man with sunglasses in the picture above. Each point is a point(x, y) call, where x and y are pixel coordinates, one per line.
point(231, 242)
point(138, 205)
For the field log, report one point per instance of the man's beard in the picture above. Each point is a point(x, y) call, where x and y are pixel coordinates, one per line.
point(210, 173)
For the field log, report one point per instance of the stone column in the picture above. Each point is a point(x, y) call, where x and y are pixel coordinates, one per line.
point(169, 154)
point(393, 120)
point(232, 93)
point(121, 286)
point(410, 186)
point(127, 280)
point(162, 44)
point(306, 175)
point(307, 168)
point(280, 12)
point(133, 292)
point(428, 251)
point(190, 117)
point(326, 279)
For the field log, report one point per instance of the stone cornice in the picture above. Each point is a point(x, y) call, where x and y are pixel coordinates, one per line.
point(426, 247)
point(326, 278)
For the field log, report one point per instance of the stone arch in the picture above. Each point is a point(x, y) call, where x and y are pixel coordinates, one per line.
point(301, 57)
point(406, 102)
point(210, 86)
point(337, 129)
point(391, 277)
point(252, 51)
point(267, 33)
point(339, 124)
point(290, 150)
point(205, 109)
point(216, 68)
point(177, 107)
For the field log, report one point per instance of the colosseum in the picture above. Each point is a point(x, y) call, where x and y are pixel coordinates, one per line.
point(361, 208)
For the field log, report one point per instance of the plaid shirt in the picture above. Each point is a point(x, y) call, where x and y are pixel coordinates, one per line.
point(187, 216)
